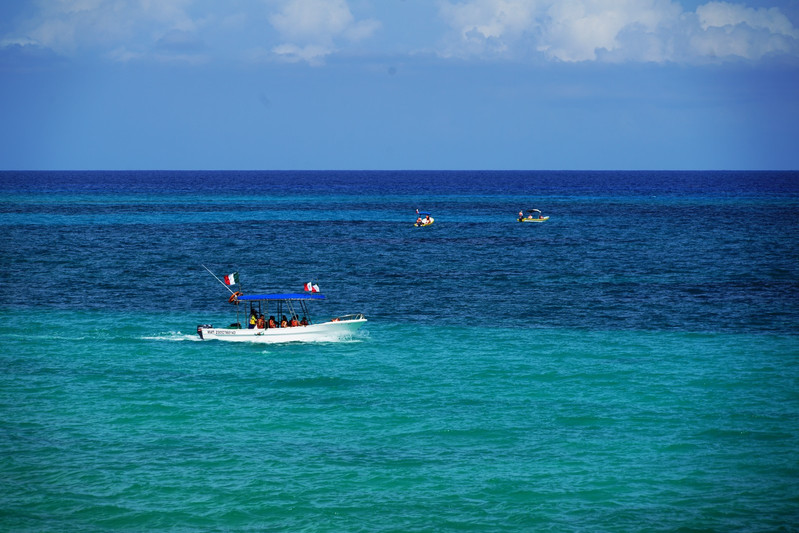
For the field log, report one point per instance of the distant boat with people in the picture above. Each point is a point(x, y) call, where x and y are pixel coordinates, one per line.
point(423, 219)
point(533, 215)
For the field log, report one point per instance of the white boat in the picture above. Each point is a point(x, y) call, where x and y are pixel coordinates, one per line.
point(280, 305)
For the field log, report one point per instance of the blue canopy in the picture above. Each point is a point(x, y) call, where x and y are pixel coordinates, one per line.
point(287, 296)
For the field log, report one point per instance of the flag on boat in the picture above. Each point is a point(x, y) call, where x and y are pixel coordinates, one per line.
point(311, 287)
point(232, 279)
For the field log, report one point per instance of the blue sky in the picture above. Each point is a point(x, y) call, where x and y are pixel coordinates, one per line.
point(399, 84)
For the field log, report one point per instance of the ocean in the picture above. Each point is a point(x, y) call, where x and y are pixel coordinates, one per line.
point(631, 364)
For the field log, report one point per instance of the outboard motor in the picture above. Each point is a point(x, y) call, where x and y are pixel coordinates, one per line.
point(200, 329)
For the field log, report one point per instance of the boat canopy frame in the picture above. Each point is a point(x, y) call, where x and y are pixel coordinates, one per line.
point(253, 301)
point(286, 296)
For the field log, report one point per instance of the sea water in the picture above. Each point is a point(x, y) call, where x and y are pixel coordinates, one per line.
point(630, 364)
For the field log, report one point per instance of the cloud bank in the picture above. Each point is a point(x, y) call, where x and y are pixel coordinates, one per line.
point(201, 31)
point(615, 30)
point(120, 31)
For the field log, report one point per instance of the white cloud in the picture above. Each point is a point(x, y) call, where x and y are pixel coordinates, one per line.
point(490, 18)
point(723, 14)
point(733, 30)
point(579, 29)
point(118, 29)
point(123, 55)
point(313, 27)
point(312, 19)
point(615, 30)
point(314, 55)
point(488, 26)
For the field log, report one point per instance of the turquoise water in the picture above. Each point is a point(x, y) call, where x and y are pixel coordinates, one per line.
point(613, 369)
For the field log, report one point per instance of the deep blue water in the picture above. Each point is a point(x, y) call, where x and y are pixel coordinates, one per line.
point(630, 364)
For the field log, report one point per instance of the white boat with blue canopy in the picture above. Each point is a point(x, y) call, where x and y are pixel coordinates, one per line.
point(277, 319)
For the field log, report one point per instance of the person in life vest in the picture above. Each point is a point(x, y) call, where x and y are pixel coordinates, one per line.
point(418, 221)
point(294, 322)
point(284, 323)
point(253, 319)
point(304, 321)
point(261, 324)
point(272, 322)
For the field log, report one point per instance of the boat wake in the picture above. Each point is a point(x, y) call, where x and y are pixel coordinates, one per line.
point(172, 336)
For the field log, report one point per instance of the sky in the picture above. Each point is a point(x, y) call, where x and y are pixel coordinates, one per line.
point(399, 84)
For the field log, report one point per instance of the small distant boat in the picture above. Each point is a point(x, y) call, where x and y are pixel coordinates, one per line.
point(281, 306)
point(533, 215)
point(424, 219)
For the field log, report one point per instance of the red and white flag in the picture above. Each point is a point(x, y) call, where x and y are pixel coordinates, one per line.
point(311, 287)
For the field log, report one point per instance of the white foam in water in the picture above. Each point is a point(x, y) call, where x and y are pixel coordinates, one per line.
point(172, 336)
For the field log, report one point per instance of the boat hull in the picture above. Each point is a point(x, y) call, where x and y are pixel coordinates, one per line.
point(427, 224)
point(324, 332)
point(544, 219)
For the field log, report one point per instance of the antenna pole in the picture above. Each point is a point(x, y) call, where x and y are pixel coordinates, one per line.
point(219, 280)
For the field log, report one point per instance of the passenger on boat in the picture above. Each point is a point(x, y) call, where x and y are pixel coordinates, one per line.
point(272, 322)
point(521, 215)
point(261, 324)
point(253, 318)
point(294, 322)
point(283, 322)
point(304, 321)
point(427, 219)
point(418, 221)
